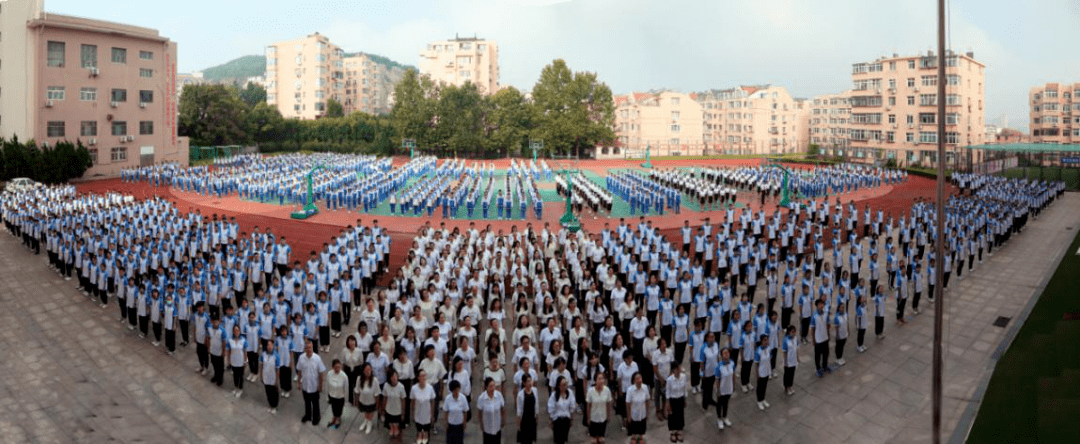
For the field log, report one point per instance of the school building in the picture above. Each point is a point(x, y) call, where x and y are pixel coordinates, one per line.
point(108, 85)
point(1055, 113)
point(463, 59)
point(894, 109)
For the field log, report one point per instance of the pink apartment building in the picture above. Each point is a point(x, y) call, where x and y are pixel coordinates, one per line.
point(666, 123)
point(1055, 113)
point(108, 85)
point(460, 60)
point(894, 109)
point(762, 120)
point(829, 114)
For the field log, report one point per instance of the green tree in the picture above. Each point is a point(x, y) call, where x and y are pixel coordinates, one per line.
point(813, 150)
point(213, 115)
point(574, 110)
point(460, 125)
point(265, 123)
point(413, 115)
point(253, 94)
point(334, 108)
point(509, 120)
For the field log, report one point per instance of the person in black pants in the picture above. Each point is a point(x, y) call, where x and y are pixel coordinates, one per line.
point(820, 322)
point(310, 371)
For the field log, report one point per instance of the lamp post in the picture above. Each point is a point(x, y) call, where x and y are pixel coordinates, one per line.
point(411, 145)
point(536, 145)
point(647, 164)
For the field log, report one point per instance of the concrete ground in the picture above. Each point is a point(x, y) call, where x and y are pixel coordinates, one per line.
point(73, 373)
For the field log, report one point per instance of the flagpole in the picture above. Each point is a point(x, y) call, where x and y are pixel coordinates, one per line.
point(939, 246)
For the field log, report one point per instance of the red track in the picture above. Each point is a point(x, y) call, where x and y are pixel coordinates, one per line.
point(309, 235)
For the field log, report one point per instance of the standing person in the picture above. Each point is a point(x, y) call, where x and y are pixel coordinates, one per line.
point(351, 359)
point(392, 403)
point(528, 406)
point(791, 359)
point(901, 298)
point(492, 408)
point(269, 362)
point(637, 409)
point(215, 344)
point(762, 356)
point(710, 355)
point(337, 383)
point(675, 404)
point(840, 321)
point(560, 407)
point(366, 388)
point(879, 312)
point(169, 316)
point(310, 370)
point(820, 329)
point(725, 386)
point(598, 409)
point(423, 406)
point(862, 321)
point(237, 359)
point(456, 407)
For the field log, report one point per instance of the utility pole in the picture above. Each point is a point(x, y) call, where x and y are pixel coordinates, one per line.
point(939, 245)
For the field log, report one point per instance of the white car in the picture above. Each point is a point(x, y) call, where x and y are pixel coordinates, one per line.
point(19, 184)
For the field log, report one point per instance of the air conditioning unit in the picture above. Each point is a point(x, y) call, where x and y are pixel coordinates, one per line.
point(916, 89)
point(93, 141)
point(93, 72)
point(894, 126)
point(114, 104)
point(123, 139)
point(142, 104)
point(48, 103)
point(131, 138)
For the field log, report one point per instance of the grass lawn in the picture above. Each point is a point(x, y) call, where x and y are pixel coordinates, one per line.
point(1034, 393)
point(1071, 176)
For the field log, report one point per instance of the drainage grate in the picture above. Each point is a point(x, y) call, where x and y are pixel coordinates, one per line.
point(1001, 321)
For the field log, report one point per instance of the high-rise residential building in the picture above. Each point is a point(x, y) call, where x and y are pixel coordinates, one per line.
point(829, 115)
point(460, 60)
point(369, 84)
point(107, 85)
point(894, 108)
point(666, 122)
point(303, 74)
point(1055, 113)
point(754, 120)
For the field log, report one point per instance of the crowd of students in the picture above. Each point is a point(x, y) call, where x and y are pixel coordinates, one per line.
point(625, 327)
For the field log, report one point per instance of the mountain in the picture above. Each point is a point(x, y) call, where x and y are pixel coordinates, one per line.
point(255, 65)
point(239, 69)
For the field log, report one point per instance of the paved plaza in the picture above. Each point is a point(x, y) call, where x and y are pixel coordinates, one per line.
point(73, 373)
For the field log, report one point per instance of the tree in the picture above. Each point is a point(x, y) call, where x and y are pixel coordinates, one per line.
point(253, 94)
point(460, 125)
point(334, 108)
point(813, 150)
point(213, 115)
point(573, 110)
point(509, 120)
point(265, 123)
point(413, 115)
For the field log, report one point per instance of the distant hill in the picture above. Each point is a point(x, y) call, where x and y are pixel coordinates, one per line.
point(239, 69)
point(255, 65)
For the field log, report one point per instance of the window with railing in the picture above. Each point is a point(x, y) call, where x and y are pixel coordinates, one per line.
point(119, 153)
point(88, 128)
point(55, 128)
point(927, 137)
point(87, 94)
point(927, 118)
point(88, 56)
point(56, 54)
point(54, 93)
point(927, 99)
point(929, 80)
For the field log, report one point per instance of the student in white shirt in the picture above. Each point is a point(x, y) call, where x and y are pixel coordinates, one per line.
point(598, 409)
point(528, 407)
point(637, 409)
point(423, 406)
point(337, 383)
point(492, 408)
point(791, 359)
point(235, 348)
point(456, 406)
point(560, 407)
point(366, 395)
point(269, 362)
point(675, 404)
point(392, 403)
point(725, 386)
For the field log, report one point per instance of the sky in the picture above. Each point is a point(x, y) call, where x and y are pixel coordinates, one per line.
point(807, 46)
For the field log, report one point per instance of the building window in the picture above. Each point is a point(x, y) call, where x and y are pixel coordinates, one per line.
point(88, 56)
point(952, 118)
point(675, 128)
point(952, 99)
point(149, 55)
point(927, 137)
point(892, 101)
point(910, 100)
point(93, 155)
point(88, 128)
point(146, 96)
point(55, 129)
point(674, 141)
point(929, 80)
point(54, 93)
point(56, 55)
point(320, 106)
point(910, 137)
point(119, 153)
point(465, 74)
point(890, 136)
point(927, 118)
point(119, 128)
point(911, 64)
point(927, 99)
point(88, 94)
point(952, 138)
point(119, 95)
point(146, 72)
point(119, 55)
point(320, 94)
point(146, 128)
